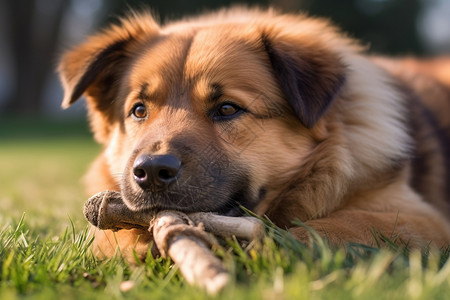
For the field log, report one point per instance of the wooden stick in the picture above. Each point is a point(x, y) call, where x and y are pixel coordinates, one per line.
point(106, 210)
point(180, 236)
point(188, 246)
point(244, 228)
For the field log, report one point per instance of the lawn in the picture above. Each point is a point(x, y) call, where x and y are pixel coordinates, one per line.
point(44, 243)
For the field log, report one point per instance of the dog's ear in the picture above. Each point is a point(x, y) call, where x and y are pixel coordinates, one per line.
point(94, 67)
point(308, 73)
point(88, 66)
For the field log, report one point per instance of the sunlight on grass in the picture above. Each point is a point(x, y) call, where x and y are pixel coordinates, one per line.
point(43, 180)
point(41, 177)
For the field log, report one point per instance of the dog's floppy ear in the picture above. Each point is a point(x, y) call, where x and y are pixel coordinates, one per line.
point(83, 67)
point(308, 73)
point(94, 66)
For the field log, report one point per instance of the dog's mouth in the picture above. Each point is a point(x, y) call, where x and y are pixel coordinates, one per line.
point(232, 206)
point(231, 209)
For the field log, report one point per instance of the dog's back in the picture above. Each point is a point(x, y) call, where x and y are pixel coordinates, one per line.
point(427, 83)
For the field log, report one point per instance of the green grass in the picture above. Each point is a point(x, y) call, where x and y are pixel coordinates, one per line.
point(44, 243)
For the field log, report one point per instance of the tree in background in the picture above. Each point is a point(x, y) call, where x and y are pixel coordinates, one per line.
point(32, 34)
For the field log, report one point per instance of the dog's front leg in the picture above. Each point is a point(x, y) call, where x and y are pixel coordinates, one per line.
point(126, 243)
point(375, 228)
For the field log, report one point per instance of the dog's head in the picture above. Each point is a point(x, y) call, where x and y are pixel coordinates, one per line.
point(206, 114)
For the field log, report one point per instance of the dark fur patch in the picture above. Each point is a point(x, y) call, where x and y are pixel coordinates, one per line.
point(309, 85)
point(143, 93)
point(425, 127)
point(109, 56)
point(216, 92)
point(262, 193)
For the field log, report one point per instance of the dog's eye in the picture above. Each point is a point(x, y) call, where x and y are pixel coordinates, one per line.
point(227, 110)
point(139, 111)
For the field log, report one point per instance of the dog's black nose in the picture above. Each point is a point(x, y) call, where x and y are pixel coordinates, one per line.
point(156, 172)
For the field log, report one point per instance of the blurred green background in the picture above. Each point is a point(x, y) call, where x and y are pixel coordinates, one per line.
point(44, 151)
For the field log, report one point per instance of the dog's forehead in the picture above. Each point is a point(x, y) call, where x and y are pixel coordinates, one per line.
point(220, 49)
point(215, 55)
point(163, 56)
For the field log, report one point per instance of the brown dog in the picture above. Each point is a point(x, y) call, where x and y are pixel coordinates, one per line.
point(281, 114)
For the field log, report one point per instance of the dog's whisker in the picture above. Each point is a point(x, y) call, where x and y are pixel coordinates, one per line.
point(117, 175)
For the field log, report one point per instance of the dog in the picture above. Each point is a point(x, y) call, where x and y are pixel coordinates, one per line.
point(279, 113)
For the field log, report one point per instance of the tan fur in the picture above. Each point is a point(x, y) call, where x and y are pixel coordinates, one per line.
point(326, 136)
